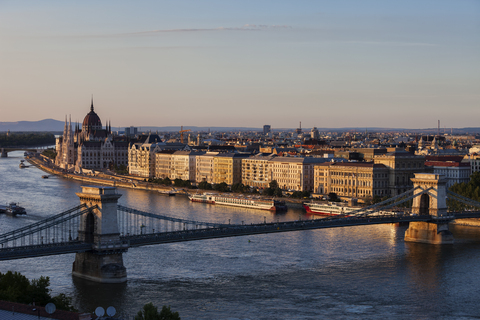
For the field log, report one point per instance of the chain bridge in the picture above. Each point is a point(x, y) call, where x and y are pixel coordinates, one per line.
point(99, 230)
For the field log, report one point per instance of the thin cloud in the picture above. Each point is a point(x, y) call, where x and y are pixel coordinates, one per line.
point(246, 27)
point(393, 43)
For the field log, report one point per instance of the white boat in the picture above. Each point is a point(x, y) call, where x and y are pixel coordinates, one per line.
point(243, 202)
point(329, 208)
point(340, 208)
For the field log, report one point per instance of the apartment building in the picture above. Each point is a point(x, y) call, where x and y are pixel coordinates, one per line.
point(163, 164)
point(294, 173)
point(455, 172)
point(141, 157)
point(351, 179)
point(474, 161)
point(183, 165)
point(257, 171)
point(204, 167)
point(402, 166)
point(227, 167)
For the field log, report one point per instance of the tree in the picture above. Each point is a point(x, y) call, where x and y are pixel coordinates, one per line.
point(63, 302)
point(332, 196)
point(150, 312)
point(239, 187)
point(15, 287)
point(470, 190)
point(273, 184)
point(205, 185)
point(222, 187)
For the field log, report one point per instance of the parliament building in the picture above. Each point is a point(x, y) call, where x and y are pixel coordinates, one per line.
point(90, 147)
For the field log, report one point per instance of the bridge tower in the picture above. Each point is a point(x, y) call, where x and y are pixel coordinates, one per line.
point(3, 153)
point(100, 227)
point(430, 200)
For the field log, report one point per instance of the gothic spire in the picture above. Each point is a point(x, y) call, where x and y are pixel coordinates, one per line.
point(91, 108)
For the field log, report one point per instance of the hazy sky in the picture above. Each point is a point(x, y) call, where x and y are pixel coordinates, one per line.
point(382, 63)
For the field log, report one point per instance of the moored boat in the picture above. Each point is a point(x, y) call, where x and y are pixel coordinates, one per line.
point(244, 202)
point(328, 208)
point(339, 208)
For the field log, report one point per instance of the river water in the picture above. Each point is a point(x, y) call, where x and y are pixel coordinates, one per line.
point(366, 272)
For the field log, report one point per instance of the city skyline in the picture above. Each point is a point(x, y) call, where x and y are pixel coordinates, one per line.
point(217, 63)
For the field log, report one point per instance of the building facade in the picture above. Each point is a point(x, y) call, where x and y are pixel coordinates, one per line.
point(455, 172)
point(294, 173)
point(227, 168)
point(141, 156)
point(90, 147)
point(402, 166)
point(257, 171)
point(204, 167)
point(351, 179)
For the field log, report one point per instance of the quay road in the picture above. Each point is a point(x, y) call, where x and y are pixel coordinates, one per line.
point(122, 181)
point(100, 178)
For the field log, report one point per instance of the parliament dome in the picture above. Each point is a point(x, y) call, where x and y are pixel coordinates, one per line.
point(92, 121)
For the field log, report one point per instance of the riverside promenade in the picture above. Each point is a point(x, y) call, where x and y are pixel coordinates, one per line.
point(101, 178)
point(124, 181)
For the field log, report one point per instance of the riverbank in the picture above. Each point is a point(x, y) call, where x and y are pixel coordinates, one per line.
point(106, 180)
point(128, 181)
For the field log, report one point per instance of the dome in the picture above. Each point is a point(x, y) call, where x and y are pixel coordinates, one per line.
point(92, 121)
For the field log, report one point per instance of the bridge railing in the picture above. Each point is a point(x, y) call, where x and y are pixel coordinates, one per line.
point(61, 228)
point(137, 222)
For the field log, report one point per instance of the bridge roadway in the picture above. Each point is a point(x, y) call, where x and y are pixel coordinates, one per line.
point(20, 252)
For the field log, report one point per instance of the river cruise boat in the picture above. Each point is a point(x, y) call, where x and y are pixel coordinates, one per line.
point(328, 208)
point(243, 202)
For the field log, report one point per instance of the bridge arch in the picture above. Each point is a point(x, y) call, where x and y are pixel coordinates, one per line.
point(430, 191)
point(424, 204)
point(89, 227)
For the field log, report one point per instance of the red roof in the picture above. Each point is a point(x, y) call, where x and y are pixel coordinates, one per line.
point(446, 164)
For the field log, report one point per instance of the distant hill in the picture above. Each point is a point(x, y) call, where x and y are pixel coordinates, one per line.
point(52, 125)
point(42, 125)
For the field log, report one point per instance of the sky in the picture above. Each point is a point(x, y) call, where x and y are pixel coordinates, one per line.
point(329, 64)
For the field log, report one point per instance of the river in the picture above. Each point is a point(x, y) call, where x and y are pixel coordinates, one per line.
point(365, 272)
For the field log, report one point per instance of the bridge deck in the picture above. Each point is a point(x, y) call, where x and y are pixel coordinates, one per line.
point(20, 252)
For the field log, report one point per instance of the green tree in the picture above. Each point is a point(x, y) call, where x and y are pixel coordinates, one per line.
point(470, 190)
point(63, 302)
point(150, 312)
point(50, 153)
point(273, 184)
point(239, 187)
point(205, 185)
point(15, 287)
point(222, 187)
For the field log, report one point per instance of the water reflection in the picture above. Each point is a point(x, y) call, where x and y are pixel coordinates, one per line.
point(340, 273)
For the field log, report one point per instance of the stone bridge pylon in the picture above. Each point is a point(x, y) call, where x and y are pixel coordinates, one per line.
point(431, 191)
point(100, 227)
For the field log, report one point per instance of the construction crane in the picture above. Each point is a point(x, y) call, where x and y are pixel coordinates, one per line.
point(181, 133)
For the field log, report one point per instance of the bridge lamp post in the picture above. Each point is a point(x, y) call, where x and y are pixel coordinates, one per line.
point(264, 220)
